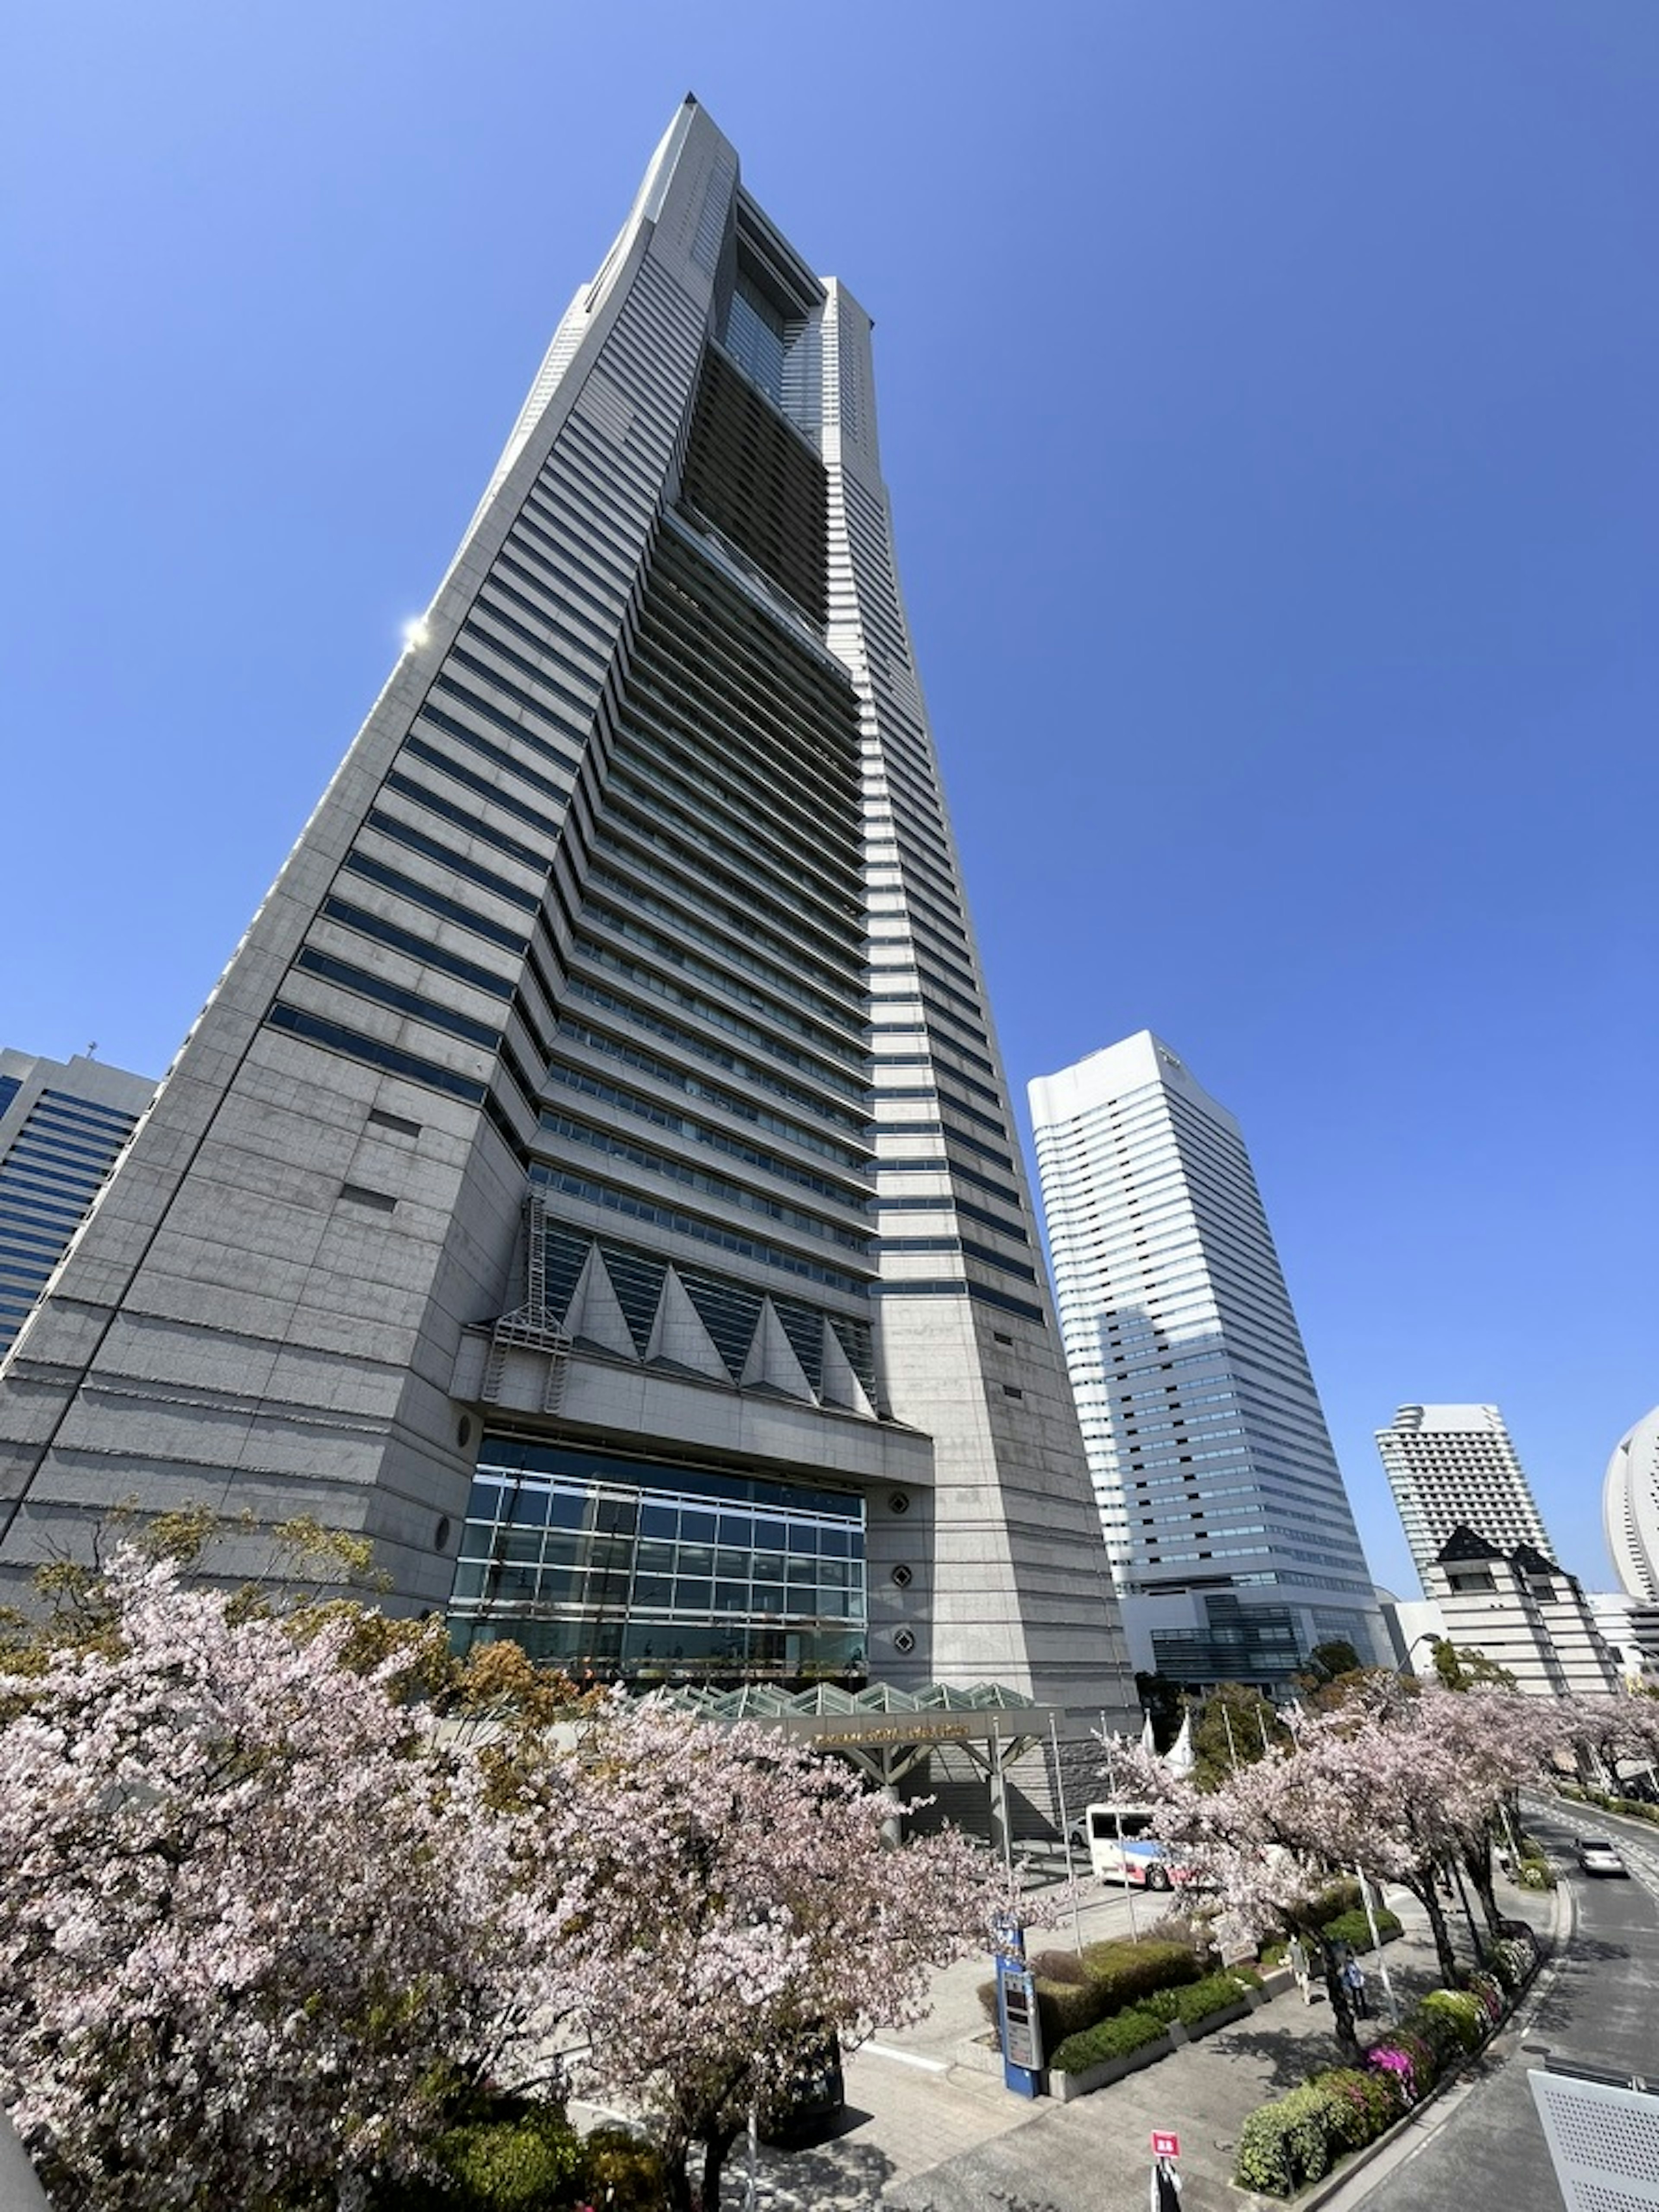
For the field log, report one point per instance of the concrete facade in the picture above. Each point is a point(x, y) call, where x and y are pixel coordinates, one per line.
point(1229, 1528)
point(1451, 1465)
point(1524, 1613)
point(609, 1065)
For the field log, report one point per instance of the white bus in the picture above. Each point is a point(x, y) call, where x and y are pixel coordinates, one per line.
point(1122, 1848)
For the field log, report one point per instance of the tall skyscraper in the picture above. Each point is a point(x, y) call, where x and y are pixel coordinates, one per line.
point(1630, 1509)
point(1228, 1529)
point(62, 1123)
point(1453, 1466)
point(594, 1177)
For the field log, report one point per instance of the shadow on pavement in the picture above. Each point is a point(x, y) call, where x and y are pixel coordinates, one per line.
point(1288, 2058)
point(826, 2172)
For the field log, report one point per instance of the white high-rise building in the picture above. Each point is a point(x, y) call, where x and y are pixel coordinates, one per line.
point(1453, 1466)
point(1228, 1527)
point(1630, 1509)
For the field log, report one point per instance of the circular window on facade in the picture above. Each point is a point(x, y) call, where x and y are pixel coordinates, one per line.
point(442, 1537)
point(464, 1434)
point(902, 1575)
point(899, 1502)
point(904, 1641)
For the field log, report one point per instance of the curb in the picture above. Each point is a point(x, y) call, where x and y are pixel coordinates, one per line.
point(1408, 2136)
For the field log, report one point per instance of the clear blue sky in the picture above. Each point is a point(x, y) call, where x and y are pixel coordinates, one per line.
point(1268, 399)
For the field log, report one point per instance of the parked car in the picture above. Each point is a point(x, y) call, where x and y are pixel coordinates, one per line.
point(1597, 1855)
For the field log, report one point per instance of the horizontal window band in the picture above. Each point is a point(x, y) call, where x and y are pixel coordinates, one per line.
point(686, 1224)
point(464, 819)
point(383, 931)
point(433, 848)
point(387, 994)
point(435, 902)
point(446, 765)
point(333, 1036)
point(568, 756)
point(981, 1292)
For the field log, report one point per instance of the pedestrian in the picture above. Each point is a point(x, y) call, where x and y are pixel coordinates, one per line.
point(1353, 1980)
point(1166, 2186)
point(1297, 1956)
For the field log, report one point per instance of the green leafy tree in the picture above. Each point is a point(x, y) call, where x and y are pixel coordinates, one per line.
point(1460, 1666)
point(1234, 1726)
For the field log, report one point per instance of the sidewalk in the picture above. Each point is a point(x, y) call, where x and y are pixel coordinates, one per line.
point(926, 2134)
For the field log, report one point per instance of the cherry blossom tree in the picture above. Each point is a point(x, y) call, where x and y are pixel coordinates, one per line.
point(746, 1906)
point(254, 1931)
point(1267, 1842)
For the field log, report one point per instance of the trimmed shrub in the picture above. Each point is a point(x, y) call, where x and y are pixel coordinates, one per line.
point(525, 2163)
point(1408, 2053)
point(1488, 1993)
point(1514, 1957)
point(621, 2172)
point(1124, 2033)
point(1342, 1896)
point(1060, 1966)
point(1355, 1930)
point(1285, 2146)
point(1464, 2015)
point(1110, 1976)
point(1195, 2001)
point(1365, 2105)
point(1123, 1971)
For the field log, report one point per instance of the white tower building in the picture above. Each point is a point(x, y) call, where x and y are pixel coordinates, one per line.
point(1630, 1509)
point(1453, 1466)
point(1228, 1529)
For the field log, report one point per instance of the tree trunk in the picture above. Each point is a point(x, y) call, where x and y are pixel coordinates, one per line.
point(1422, 1888)
point(716, 2144)
point(1477, 1864)
point(675, 2147)
point(1335, 1990)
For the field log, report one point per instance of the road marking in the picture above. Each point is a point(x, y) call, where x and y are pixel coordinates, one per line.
point(906, 2057)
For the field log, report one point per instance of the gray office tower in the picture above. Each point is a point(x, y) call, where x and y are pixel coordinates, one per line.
point(62, 1124)
point(594, 1177)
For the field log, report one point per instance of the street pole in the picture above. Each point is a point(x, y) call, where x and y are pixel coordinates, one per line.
point(1233, 1748)
point(1066, 1835)
point(1118, 1816)
point(1377, 1945)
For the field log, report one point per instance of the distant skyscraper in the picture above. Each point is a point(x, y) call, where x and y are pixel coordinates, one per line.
point(1230, 1531)
point(1452, 1467)
point(1630, 1509)
point(62, 1123)
point(593, 1177)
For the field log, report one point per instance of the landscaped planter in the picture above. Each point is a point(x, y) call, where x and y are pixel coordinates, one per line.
point(1064, 2086)
point(1180, 2032)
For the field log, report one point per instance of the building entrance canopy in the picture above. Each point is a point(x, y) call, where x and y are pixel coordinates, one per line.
point(885, 1732)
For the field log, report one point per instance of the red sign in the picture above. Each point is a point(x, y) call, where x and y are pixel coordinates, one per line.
point(1165, 2146)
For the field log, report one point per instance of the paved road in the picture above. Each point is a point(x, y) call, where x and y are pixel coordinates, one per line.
point(1603, 2010)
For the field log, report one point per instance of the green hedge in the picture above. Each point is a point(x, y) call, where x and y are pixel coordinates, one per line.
point(1354, 1930)
point(1137, 2024)
point(529, 2161)
point(1196, 2001)
point(1116, 2037)
point(1289, 2144)
point(1464, 2012)
point(1074, 1993)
